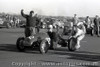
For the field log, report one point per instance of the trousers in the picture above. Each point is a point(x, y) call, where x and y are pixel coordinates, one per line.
point(29, 31)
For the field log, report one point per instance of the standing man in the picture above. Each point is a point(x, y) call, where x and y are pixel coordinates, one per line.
point(38, 23)
point(17, 22)
point(31, 21)
point(14, 20)
point(96, 25)
point(88, 22)
point(89, 25)
point(75, 19)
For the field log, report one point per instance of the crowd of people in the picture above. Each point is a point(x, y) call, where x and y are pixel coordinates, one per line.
point(93, 24)
point(12, 21)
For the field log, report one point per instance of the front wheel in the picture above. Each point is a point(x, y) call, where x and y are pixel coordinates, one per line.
point(19, 44)
point(44, 46)
point(71, 44)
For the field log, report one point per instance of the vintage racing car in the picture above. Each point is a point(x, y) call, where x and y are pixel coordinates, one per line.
point(40, 40)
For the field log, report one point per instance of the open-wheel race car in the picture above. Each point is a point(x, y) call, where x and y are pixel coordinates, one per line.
point(40, 41)
point(69, 42)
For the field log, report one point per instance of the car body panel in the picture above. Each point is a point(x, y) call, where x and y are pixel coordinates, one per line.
point(28, 41)
point(3, 23)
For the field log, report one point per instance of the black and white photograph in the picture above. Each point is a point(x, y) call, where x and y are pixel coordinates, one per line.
point(49, 33)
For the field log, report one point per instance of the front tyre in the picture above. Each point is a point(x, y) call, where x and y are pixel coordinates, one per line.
point(44, 46)
point(19, 44)
point(71, 44)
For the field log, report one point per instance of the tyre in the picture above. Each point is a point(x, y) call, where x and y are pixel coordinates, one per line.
point(19, 44)
point(71, 44)
point(44, 46)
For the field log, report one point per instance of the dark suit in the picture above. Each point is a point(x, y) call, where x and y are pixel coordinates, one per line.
point(96, 25)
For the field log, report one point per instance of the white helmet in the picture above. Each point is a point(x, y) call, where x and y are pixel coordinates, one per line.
point(50, 26)
point(79, 23)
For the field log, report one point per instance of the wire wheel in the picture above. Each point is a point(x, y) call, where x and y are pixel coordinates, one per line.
point(71, 44)
point(44, 47)
point(19, 44)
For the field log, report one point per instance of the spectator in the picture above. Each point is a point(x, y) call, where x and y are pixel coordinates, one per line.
point(96, 25)
point(75, 19)
point(31, 22)
point(17, 22)
point(38, 20)
point(88, 22)
point(8, 21)
point(14, 21)
point(11, 23)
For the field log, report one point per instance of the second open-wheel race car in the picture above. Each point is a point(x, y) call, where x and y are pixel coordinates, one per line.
point(68, 41)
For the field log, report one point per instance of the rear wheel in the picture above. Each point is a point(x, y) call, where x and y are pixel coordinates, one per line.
point(72, 44)
point(19, 44)
point(44, 46)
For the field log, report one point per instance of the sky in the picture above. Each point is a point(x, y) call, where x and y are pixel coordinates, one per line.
point(52, 7)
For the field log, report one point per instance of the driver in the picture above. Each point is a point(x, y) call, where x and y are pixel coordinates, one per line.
point(80, 33)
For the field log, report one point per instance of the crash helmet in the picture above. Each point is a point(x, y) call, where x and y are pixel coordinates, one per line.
point(80, 25)
point(50, 26)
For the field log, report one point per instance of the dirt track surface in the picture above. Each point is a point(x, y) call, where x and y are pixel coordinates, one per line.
point(87, 56)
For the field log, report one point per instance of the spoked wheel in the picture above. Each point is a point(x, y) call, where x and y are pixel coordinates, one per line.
point(72, 44)
point(19, 44)
point(44, 47)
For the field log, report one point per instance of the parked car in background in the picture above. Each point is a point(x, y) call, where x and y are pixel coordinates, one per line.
point(4, 23)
